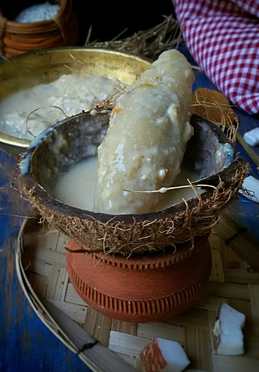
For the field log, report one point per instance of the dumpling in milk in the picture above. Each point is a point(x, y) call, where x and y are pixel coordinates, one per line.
point(146, 140)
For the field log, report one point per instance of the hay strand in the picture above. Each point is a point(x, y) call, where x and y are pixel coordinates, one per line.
point(28, 130)
point(149, 43)
point(163, 190)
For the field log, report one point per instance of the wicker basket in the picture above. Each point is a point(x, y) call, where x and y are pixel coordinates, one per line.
point(17, 38)
point(123, 234)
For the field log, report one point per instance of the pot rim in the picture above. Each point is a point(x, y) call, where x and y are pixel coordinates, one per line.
point(181, 252)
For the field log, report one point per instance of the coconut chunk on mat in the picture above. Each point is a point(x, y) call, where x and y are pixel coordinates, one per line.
point(163, 355)
point(252, 137)
point(228, 330)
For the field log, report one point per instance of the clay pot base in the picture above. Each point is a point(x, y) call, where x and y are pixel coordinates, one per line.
point(141, 289)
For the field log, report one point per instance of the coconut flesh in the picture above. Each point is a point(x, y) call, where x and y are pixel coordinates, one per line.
point(143, 148)
point(164, 356)
point(228, 330)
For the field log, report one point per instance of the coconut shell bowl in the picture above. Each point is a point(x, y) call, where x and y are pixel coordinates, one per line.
point(139, 267)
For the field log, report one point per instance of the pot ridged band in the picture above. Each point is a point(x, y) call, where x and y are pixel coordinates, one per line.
point(151, 294)
point(138, 311)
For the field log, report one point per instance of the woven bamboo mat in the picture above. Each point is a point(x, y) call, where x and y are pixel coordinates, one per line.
point(234, 280)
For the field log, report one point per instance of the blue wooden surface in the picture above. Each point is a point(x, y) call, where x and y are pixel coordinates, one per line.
point(25, 343)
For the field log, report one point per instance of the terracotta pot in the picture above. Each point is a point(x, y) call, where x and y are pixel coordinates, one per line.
point(141, 289)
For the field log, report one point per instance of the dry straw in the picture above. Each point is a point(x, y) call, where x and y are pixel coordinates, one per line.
point(148, 43)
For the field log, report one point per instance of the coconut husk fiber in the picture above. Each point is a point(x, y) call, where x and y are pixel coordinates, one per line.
point(141, 235)
point(125, 234)
point(213, 106)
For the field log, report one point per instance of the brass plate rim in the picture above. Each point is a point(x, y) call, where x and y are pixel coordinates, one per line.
point(23, 143)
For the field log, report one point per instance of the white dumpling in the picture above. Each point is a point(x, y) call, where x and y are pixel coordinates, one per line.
point(147, 136)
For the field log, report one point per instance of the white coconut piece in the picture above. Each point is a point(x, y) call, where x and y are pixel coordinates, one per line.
point(174, 355)
point(162, 355)
point(228, 330)
point(251, 185)
point(252, 137)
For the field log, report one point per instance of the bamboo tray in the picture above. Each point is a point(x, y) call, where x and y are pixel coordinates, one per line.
point(40, 264)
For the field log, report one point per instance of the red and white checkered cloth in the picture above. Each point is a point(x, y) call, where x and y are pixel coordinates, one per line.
point(223, 37)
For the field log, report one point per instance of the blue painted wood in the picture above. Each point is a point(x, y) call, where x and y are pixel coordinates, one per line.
point(25, 343)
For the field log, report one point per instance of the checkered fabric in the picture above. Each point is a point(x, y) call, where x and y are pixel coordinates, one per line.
point(223, 37)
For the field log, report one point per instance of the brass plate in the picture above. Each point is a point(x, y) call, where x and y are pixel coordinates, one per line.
point(46, 65)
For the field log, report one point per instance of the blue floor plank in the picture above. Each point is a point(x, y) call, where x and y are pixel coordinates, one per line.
point(26, 344)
